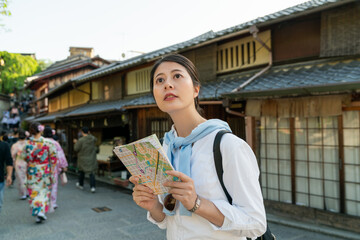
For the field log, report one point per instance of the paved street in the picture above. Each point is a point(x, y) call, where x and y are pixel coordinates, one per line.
point(75, 219)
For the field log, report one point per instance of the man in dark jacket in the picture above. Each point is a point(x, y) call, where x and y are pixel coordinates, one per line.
point(5, 159)
point(86, 157)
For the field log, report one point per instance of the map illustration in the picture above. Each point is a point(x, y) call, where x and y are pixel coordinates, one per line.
point(147, 159)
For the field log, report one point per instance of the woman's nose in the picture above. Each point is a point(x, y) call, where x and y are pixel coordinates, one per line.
point(168, 84)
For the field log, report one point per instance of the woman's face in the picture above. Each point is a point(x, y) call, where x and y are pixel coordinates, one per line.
point(173, 88)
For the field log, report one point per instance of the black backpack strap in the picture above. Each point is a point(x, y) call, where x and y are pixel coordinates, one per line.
point(218, 161)
point(219, 170)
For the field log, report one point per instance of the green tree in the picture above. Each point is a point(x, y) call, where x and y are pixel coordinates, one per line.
point(44, 63)
point(4, 9)
point(15, 70)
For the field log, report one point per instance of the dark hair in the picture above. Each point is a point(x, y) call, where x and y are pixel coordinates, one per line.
point(85, 130)
point(22, 134)
point(47, 132)
point(34, 128)
point(187, 64)
point(5, 136)
point(15, 131)
point(55, 137)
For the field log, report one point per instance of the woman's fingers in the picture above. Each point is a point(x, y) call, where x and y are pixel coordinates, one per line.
point(183, 177)
point(186, 181)
point(183, 191)
point(134, 180)
point(143, 196)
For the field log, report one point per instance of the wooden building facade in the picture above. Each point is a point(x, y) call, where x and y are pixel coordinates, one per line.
point(287, 82)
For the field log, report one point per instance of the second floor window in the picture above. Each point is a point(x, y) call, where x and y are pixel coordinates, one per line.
point(138, 81)
point(242, 53)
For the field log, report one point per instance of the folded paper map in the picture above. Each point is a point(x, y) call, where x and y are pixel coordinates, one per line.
point(147, 160)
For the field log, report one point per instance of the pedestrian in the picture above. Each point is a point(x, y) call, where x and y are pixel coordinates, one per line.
point(5, 120)
point(5, 159)
point(13, 137)
point(40, 155)
point(86, 157)
point(201, 209)
point(20, 163)
point(61, 166)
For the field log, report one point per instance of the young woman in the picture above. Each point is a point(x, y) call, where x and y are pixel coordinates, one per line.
point(20, 164)
point(61, 166)
point(40, 155)
point(202, 210)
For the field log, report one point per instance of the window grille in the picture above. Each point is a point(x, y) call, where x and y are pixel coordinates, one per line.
point(159, 127)
point(351, 128)
point(138, 81)
point(299, 162)
point(243, 53)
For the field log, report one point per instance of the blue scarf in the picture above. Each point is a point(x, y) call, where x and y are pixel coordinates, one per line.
point(173, 142)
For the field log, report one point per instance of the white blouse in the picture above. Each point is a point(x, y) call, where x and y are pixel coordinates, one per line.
point(245, 217)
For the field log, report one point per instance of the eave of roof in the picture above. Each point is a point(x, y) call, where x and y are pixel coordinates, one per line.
point(306, 78)
point(61, 71)
point(297, 91)
point(209, 37)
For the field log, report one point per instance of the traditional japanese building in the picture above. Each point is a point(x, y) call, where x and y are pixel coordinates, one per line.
point(287, 82)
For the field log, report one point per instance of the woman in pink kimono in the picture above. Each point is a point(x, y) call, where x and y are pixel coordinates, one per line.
point(20, 164)
point(61, 165)
point(40, 155)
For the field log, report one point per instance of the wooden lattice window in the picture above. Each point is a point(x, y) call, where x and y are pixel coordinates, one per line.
point(159, 126)
point(243, 53)
point(299, 161)
point(138, 81)
point(351, 125)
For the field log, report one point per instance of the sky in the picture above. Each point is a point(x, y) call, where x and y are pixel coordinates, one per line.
point(116, 27)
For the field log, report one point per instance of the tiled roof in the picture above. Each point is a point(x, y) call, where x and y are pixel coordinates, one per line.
point(59, 66)
point(49, 117)
point(143, 100)
point(114, 67)
point(92, 108)
point(290, 80)
point(299, 79)
point(293, 12)
point(213, 90)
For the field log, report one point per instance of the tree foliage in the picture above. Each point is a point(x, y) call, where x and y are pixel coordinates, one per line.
point(15, 70)
point(44, 63)
point(4, 9)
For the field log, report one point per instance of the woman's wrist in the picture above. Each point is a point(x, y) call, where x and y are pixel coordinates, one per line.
point(157, 213)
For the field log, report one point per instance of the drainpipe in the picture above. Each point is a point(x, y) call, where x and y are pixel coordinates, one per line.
point(239, 114)
point(254, 30)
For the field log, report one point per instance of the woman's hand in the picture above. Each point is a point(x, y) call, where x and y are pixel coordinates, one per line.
point(143, 196)
point(8, 181)
point(183, 191)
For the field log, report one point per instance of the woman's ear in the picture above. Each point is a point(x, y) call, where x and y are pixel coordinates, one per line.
point(196, 91)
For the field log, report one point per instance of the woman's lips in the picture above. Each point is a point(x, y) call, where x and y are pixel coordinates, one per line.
point(169, 97)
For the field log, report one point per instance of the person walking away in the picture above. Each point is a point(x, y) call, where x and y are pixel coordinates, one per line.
point(5, 159)
point(20, 163)
point(196, 206)
point(86, 157)
point(13, 137)
point(40, 155)
point(61, 166)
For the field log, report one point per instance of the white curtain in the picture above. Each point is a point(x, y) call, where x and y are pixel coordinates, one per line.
point(351, 125)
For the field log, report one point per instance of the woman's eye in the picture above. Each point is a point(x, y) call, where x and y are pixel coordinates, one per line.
point(177, 76)
point(160, 80)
